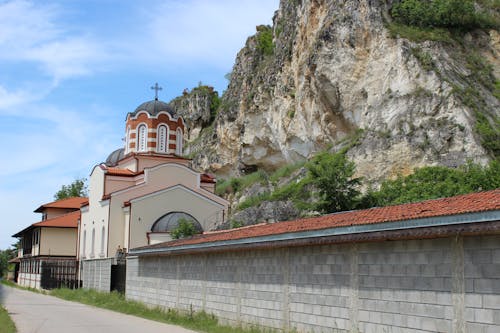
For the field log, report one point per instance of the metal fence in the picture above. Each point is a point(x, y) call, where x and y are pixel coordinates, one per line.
point(59, 273)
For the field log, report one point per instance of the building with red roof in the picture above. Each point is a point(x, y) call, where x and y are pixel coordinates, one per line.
point(139, 195)
point(49, 243)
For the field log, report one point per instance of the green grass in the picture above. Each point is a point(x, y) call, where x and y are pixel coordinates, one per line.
point(6, 324)
point(496, 91)
point(286, 171)
point(417, 34)
point(253, 201)
point(15, 285)
point(198, 321)
point(237, 184)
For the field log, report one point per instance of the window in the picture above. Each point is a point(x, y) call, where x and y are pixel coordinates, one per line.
point(178, 143)
point(162, 139)
point(84, 242)
point(103, 232)
point(36, 237)
point(93, 243)
point(142, 138)
point(170, 221)
point(127, 141)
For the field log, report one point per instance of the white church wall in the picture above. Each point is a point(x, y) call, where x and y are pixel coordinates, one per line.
point(94, 219)
point(114, 184)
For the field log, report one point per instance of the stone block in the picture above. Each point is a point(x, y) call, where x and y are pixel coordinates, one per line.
point(474, 300)
point(491, 301)
point(484, 316)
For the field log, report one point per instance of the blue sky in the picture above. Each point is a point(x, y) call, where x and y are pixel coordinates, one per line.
point(71, 70)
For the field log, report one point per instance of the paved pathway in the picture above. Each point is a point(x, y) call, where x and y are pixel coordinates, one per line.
point(40, 313)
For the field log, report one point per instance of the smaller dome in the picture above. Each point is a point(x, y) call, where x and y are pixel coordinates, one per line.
point(170, 222)
point(154, 107)
point(114, 157)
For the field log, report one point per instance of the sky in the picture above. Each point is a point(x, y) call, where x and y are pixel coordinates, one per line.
point(70, 70)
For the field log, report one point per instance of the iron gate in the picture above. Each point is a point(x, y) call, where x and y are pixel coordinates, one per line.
point(118, 277)
point(59, 273)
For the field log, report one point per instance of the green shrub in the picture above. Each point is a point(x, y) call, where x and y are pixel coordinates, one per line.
point(424, 58)
point(265, 40)
point(332, 176)
point(185, 229)
point(490, 134)
point(460, 14)
point(435, 182)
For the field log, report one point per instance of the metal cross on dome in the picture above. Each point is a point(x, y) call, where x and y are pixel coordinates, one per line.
point(156, 88)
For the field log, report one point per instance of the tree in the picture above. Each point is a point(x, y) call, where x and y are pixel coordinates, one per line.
point(5, 256)
point(185, 229)
point(332, 176)
point(77, 188)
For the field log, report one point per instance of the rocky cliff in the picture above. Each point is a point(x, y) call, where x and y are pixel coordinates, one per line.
point(328, 71)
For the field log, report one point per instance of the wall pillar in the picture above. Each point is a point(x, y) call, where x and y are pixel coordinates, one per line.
point(286, 289)
point(354, 287)
point(458, 284)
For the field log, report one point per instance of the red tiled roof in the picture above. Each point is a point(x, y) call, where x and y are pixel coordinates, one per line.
point(207, 178)
point(119, 172)
point(68, 203)
point(462, 204)
point(69, 220)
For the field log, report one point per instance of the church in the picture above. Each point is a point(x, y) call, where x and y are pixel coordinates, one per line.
point(139, 195)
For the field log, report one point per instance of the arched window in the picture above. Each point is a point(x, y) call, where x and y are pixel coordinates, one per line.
point(103, 232)
point(178, 142)
point(127, 141)
point(93, 243)
point(162, 139)
point(170, 221)
point(142, 138)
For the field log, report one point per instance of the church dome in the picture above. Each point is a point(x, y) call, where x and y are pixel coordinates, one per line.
point(170, 222)
point(114, 157)
point(153, 108)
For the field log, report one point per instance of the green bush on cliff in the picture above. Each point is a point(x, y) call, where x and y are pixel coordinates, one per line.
point(456, 14)
point(265, 40)
point(436, 182)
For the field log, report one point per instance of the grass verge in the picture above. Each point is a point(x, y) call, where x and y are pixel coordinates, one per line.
point(198, 321)
point(6, 323)
point(15, 285)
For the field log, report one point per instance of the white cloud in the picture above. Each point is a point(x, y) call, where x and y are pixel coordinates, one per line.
point(30, 32)
point(8, 99)
point(209, 32)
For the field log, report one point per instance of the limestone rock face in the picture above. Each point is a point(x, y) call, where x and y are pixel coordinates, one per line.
point(196, 108)
point(336, 72)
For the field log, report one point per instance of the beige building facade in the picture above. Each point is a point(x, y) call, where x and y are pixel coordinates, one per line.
point(50, 245)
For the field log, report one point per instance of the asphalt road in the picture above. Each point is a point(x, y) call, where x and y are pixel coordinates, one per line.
point(39, 313)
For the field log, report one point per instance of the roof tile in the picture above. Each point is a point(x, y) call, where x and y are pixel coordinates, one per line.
point(462, 204)
point(75, 203)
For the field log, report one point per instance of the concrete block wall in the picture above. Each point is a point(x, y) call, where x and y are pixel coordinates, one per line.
point(96, 274)
point(482, 284)
point(435, 285)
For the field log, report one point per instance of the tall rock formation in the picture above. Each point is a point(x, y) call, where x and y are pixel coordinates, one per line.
point(334, 71)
